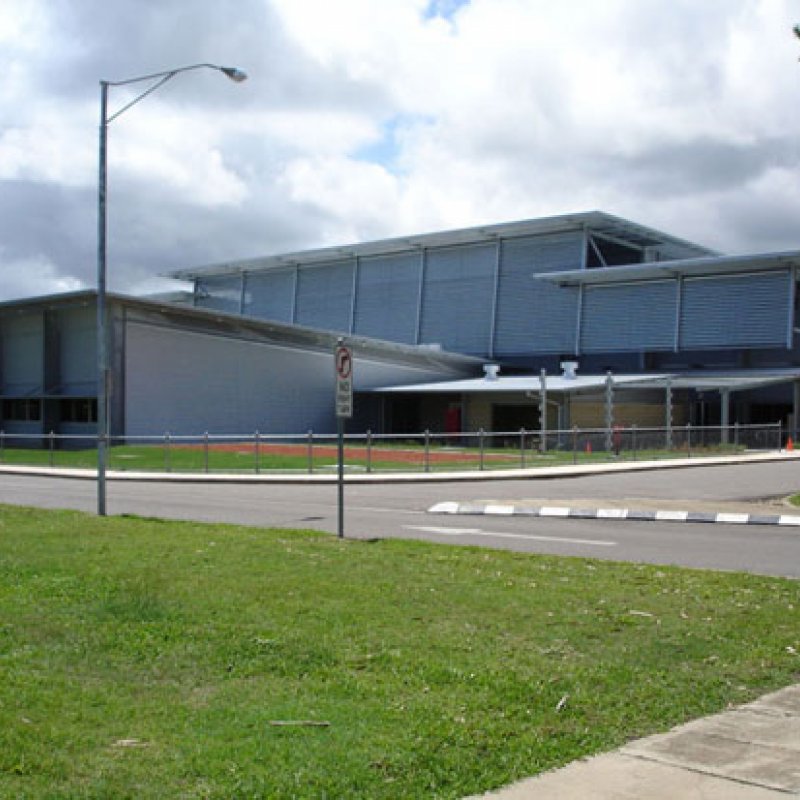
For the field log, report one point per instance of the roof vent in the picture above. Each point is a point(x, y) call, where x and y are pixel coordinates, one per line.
point(569, 368)
point(491, 371)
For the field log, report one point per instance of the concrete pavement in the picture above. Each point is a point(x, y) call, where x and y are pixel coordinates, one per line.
point(747, 753)
point(353, 476)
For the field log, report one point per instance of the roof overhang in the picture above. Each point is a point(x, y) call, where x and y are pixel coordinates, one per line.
point(733, 381)
point(670, 270)
point(594, 221)
point(227, 324)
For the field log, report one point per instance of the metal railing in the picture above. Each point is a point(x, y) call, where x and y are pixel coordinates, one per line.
point(426, 451)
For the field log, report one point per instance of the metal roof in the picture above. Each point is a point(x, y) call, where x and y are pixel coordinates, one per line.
point(734, 380)
point(596, 221)
point(518, 383)
point(227, 324)
point(665, 270)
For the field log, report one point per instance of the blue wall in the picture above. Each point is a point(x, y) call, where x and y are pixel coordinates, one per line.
point(481, 299)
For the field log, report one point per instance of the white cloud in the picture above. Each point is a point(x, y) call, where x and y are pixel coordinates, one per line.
point(37, 275)
point(364, 119)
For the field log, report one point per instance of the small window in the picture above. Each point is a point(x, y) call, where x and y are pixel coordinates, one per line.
point(22, 410)
point(79, 409)
point(601, 252)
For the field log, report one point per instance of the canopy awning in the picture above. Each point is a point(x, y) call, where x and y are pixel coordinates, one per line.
point(733, 381)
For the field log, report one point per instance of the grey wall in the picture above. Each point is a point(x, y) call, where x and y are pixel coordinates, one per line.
point(188, 382)
point(22, 354)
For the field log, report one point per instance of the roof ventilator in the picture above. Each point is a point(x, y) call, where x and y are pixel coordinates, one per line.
point(491, 371)
point(569, 369)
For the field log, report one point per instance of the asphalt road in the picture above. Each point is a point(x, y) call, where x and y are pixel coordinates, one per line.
point(400, 510)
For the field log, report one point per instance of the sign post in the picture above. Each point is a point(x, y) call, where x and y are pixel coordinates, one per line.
point(343, 362)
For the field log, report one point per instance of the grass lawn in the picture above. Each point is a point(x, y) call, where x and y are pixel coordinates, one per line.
point(405, 458)
point(149, 659)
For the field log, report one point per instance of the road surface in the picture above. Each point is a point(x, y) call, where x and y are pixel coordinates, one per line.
point(400, 510)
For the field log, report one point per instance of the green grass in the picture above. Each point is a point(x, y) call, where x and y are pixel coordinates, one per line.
point(146, 659)
point(157, 458)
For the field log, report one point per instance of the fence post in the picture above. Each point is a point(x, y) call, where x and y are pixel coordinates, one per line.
point(257, 445)
point(369, 450)
point(736, 433)
point(780, 434)
point(310, 449)
point(205, 451)
point(427, 463)
point(574, 444)
point(688, 439)
point(522, 448)
point(633, 437)
point(2, 444)
point(480, 449)
point(52, 447)
point(167, 455)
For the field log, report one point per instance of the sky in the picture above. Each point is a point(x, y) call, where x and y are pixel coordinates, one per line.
point(364, 119)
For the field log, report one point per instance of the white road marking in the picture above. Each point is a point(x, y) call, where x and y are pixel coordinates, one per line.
point(445, 531)
point(553, 511)
point(671, 516)
point(499, 535)
point(735, 519)
point(499, 510)
point(612, 513)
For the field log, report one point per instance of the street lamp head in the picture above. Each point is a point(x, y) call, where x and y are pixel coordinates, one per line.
point(234, 73)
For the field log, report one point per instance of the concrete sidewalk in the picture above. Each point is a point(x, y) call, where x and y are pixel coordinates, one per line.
point(353, 477)
point(748, 753)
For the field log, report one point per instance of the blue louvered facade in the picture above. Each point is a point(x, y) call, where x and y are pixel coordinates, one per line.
point(271, 295)
point(387, 297)
point(536, 317)
point(735, 311)
point(518, 295)
point(325, 296)
point(457, 298)
point(219, 293)
point(634, 316)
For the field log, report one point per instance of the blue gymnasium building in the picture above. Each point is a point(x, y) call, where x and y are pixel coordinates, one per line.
point(451, 331)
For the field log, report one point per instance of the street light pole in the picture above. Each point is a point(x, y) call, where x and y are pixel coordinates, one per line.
point(102, 361)
point(159, 79)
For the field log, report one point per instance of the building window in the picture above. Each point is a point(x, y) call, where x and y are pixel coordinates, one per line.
point(78, 409)
point(22, 410)
point(601, 252)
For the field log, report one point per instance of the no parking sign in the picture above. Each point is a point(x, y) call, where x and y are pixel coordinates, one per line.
point(343, 358)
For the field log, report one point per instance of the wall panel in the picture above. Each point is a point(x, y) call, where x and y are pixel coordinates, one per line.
point(270, 294)
point(629, 317)
point(734, 311)
point(387, 294)
point(457, 298)
point(536, 316)
point(324, 296)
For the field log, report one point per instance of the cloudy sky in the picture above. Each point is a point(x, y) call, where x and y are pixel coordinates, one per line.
point(370, 118)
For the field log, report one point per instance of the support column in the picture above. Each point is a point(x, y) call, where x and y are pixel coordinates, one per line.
point(725, 414)
point(668, 414)
point(609, 412)
point(543, 411)
point(795, 409)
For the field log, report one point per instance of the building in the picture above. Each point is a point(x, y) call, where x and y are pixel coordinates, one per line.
point(688, 335)
point(590, 288)
point(185, 371)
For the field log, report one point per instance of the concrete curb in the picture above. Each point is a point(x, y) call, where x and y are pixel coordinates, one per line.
point(529, 473)
point(565, 512)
